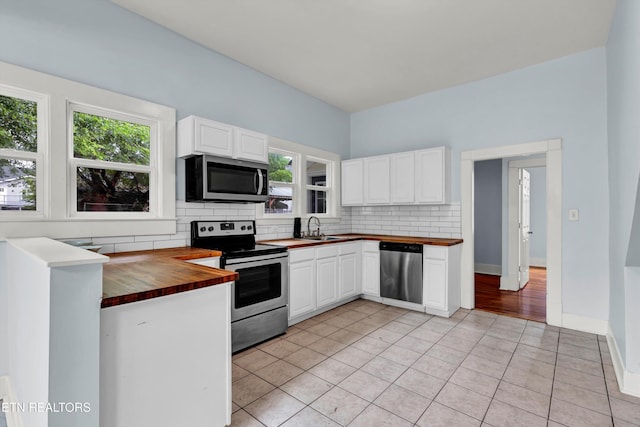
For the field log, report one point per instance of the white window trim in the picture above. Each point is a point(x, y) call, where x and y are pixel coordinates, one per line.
point(54, 219)
point(302, 153)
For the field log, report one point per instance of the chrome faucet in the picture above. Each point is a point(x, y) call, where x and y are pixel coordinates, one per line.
point(317, 232)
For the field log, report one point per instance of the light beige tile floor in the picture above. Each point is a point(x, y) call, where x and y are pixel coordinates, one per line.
point(367, 364)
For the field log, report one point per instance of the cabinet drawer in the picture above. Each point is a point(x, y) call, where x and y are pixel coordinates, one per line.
point(298, 255)
point(371, 246)
point(435, 252)
point(348, 248)
point(327, 251)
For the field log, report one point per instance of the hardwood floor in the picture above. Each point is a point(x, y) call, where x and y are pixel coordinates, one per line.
point(529, 303)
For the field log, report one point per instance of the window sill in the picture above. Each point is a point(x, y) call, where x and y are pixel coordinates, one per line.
point(83, 228)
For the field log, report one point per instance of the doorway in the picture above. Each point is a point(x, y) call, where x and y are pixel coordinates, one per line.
point(510, 236)
point(551, 150)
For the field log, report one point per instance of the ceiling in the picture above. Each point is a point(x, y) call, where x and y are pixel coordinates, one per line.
point(359, 54)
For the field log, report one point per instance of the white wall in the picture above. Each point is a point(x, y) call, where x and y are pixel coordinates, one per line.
point(28, 321)
point(564, 98)
point(4, 308)
point(623, 87)
point(487, 186)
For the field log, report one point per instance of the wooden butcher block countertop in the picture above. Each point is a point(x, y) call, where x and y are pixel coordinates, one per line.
point(300, 243)
point(140, 275)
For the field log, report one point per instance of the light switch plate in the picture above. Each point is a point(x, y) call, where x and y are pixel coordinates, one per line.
point(574, 215)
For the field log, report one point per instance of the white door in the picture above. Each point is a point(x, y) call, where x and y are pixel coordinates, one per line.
point(525, 226)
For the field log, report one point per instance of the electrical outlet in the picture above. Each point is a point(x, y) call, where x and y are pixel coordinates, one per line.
point(574, 215)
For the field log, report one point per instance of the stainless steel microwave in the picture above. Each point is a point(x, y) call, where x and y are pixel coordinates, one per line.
point(210, 178)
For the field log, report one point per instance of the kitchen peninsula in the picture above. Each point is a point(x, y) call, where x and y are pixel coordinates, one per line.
point(165, 340)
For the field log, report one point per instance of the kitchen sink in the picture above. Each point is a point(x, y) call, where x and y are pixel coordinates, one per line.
point(322, 238)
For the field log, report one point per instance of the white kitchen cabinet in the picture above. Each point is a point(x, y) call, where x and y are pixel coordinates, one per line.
point(432, 173)
point(197, 135)
point(352, 182)
point(376, 180)
point(251, 145)
point(409, 178)
point(349, 269)
point(371, 268)
point(302, 282)
point(441, 279)
point(402, 178)
point(327, 274)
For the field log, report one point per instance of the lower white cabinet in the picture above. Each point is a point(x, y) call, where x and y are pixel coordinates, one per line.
point(371, 268)
point(441, 279)
point(302, 281)
point(322, 276)
point(326, 274)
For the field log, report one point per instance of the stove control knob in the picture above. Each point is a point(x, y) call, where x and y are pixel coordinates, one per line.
point(243, 228)
point(249, 227)
point(211, 228)
point(203, 229)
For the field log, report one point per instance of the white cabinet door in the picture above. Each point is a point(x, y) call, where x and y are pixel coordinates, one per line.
point(432, 175)
point(376, 180)
point(402, 178)
point(348, 274)
point(371, 268)
point(302, 286)
point(435, 283)
point(213, 138)
point(251, 145)
point(352, 182)
point(327, 280)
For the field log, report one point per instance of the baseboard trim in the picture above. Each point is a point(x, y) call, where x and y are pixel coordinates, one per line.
point(493, 269)
point(628, 382)
point(585, 324)
point(537, 262)
point(509, 283)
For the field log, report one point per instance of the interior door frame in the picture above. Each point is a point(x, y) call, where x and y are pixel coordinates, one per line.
point(510, 281)
point(552, 149)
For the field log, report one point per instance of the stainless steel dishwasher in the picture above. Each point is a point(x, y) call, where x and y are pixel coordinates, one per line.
point(401, 271)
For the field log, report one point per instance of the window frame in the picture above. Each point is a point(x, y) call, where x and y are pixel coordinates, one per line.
point(55, 216)
point(302, 153)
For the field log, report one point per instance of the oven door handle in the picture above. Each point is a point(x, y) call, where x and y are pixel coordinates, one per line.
point(260, 181)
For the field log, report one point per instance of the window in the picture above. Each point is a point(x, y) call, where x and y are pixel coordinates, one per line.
point(302, 182)
point(19, 151)
point(111, 162)
point(78, 161)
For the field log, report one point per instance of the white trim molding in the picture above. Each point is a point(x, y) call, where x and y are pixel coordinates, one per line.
point(629, 382)
point(8, 396)
point(493, 269)
point(552, 149)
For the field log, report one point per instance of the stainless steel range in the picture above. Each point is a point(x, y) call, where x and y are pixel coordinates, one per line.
point(259, 297)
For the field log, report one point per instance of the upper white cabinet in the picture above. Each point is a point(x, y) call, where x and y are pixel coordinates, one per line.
point(414, 177)
point(402, 178)
point(352, 182)
point(433, 182)
point(376, 180)
point(197, 135)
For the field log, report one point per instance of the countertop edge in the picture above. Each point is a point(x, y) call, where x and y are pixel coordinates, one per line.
point(432, 241)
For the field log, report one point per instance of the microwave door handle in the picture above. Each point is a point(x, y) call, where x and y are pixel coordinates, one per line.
point(260, 181)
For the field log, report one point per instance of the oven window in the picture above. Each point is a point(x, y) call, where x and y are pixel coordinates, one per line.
point(231, 179)
point(258, 284)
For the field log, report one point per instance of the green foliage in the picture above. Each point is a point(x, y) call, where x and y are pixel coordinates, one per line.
point(101, 138)
point(278, 168)
point(18, 124)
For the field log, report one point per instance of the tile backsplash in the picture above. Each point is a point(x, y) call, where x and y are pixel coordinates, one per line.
point(422, 221)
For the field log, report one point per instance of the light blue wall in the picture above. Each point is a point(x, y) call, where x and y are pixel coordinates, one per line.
point(488, 212)
point(4, 295)
point(101, 44)
point(623, 86)
point(565, 98)
point(538, 240)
